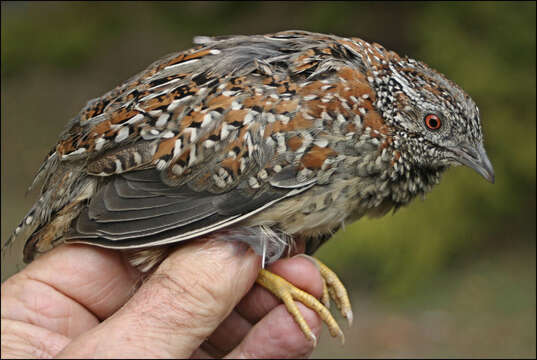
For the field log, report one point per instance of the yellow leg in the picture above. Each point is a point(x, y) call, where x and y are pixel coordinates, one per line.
point(325, 298)
point(287, 292)
point(335, 288)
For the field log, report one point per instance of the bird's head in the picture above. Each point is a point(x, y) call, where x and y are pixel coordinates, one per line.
point(435, 121)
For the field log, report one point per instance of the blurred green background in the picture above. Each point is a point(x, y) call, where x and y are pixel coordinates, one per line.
point(450, 276)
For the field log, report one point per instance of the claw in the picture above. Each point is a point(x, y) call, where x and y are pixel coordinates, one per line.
point(349, 316)
point(325, 299)
point(288, 293)
point(333, 288)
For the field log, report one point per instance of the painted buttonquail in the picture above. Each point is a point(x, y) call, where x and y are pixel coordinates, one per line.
point(267, 139)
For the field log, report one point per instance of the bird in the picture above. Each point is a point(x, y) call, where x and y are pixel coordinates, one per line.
point(267, 139)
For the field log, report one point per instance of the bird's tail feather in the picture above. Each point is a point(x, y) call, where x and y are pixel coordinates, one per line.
point(12, 248)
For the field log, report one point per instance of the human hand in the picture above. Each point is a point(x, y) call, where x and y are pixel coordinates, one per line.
point(81, 301)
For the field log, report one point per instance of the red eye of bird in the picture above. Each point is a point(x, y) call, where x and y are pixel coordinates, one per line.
point(433, 122)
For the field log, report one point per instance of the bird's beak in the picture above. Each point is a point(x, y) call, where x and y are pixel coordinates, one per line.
point(476, 158)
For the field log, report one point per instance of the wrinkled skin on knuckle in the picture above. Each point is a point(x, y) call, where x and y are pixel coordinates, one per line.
point(206, 285)
point(20, 340)
point(190, 295)
point(154, 342)
point(39, 308)
point(171, 303)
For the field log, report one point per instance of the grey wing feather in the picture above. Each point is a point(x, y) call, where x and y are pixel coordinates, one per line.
point(113, 202)
point(164, 214)
point(236, 202)
point(120, 229)
point(125, 190)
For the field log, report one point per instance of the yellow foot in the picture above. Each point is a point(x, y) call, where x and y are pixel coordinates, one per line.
point(287, 292)
point(333, 289)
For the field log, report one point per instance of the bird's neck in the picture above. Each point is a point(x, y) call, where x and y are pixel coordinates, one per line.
point(408, 177)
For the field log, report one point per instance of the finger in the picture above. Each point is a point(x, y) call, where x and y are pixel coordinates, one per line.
point(277, 335)
point(259, 302)
point(70, 282)
point(26, 341)
point(298, 271)
point(178, 307)
point(200, 354)
point(228, 335)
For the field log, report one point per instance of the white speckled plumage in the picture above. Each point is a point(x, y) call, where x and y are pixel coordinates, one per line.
point(290, 133)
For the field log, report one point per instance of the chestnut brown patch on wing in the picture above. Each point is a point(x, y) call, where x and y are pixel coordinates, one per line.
point(316, 156)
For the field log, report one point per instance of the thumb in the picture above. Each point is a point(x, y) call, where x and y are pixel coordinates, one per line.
point(178, 307)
